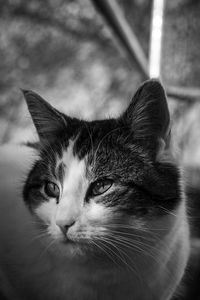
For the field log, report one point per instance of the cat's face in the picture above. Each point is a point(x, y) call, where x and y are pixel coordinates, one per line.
point(101, 183)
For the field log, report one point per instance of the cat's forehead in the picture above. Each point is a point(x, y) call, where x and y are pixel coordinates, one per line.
point(101, 139)
point(93, 135)
point(99, 149)
point(70, 161)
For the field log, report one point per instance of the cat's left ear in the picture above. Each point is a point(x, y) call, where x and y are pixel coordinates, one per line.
point(48, 121)
point(148, 116)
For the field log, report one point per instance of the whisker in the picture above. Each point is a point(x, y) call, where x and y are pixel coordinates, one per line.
point(130, 234)
point(138, 248)
point(39, 236)
point(127, 239)
point(109, 241)
point(107, 253)
point(46, 248)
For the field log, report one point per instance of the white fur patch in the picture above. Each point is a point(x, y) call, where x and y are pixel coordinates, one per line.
point(72, 196)
point(96, 211)
point(46, 211)
point(67, 155)
point(74, 189)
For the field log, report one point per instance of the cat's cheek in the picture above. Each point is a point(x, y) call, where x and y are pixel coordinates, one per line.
point(89, 223)
point(46, 211)
point(94, 219)
point(97, 213)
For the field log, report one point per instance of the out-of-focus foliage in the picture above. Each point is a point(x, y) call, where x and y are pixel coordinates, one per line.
point(181, 43)
point(63, 50)
point(180, 66)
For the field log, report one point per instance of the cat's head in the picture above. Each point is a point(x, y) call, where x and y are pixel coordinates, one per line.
point(96, 182)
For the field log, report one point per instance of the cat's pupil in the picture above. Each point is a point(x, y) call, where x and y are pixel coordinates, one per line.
point(52, 190)
point(101, 186)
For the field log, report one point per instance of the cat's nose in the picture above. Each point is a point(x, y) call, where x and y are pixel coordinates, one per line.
point(65, 227)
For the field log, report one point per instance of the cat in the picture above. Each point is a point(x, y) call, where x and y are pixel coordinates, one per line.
point(104, 206)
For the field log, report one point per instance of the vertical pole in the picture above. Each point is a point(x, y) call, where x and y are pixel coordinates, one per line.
point(156, 38)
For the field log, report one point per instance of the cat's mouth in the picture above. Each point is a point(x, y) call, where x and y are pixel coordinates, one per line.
point(74, 240)
point(77, 248)
point(68, 241)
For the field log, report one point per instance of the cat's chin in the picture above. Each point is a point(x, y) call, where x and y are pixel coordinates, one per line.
point(81, 250)
point(73, 249)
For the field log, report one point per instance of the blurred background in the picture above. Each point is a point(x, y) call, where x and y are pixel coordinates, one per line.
point(87, 57)
point(64, 51)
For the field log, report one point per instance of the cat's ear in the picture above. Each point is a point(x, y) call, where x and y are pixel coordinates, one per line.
point(148, 115)
point(48, 121)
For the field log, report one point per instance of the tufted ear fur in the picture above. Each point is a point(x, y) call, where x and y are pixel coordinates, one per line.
point(48, 121)
point(148, 115)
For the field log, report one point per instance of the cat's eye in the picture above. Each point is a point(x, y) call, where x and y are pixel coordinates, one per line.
point(101, 186)
point(52, 190)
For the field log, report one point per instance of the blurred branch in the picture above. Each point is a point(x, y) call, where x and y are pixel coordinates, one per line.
point(189, 94)
point(112, 13)
point(24, 12)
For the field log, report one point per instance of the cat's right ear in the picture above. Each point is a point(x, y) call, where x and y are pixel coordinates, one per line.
point(48, 121)
point(148, 116)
